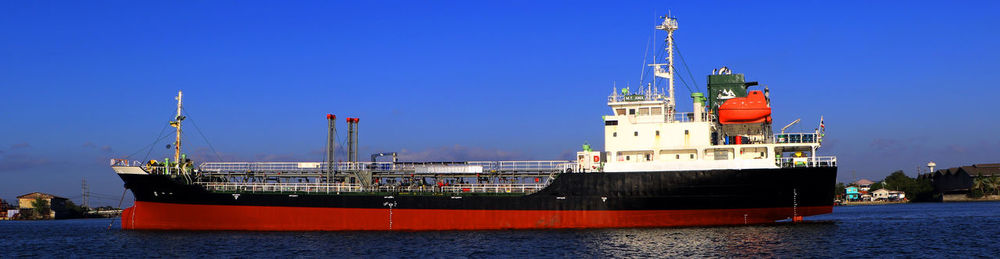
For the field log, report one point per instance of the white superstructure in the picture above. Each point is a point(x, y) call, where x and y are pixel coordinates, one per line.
point(645, 133)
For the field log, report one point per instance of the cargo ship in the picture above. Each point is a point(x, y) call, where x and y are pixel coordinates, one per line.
point(720, 164)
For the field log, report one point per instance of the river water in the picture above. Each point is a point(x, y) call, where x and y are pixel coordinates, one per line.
point(925, 230)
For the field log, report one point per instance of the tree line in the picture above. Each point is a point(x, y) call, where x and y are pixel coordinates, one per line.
point(982, 186)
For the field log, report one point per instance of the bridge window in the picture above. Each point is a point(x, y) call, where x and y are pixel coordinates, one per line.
point(614, 134)
point(657, 111)
point(620, 111)
point(631, 111)
point(657, 133)
point(636, 133)
point(643, 111)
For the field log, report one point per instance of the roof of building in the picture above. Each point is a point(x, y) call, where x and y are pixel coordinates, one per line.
point(976, 170)
point(36, 195)
point(982, 169)
point(864, 182)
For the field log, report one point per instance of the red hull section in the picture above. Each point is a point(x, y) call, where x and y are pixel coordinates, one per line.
point(750, 109)
point(167, 216)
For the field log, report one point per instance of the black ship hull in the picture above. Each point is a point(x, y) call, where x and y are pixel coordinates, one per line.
point(572, 200)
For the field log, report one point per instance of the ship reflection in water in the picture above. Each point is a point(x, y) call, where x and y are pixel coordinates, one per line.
point(740, 241)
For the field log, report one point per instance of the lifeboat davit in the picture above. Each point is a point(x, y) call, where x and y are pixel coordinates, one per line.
point(750, 109)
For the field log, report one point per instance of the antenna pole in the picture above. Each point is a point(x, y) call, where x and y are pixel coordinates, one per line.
point(669, 25)
point(176, 123)
point(670, 57)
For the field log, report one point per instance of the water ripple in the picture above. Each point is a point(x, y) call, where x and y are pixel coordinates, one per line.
point(906, 230)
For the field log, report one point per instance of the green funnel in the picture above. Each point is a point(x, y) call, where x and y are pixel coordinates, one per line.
point(699, 98)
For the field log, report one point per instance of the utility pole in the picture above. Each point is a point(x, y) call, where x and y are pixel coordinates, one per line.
point(86, 193)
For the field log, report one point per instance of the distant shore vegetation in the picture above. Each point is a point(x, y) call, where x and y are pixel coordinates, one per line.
point(983, 186)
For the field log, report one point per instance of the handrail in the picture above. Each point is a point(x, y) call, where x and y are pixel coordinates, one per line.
point(819, 161)
point(125, 162)
point(689, 116)
point(342, 187)
point(637, 97)
point(487, 166)
point(782, 138)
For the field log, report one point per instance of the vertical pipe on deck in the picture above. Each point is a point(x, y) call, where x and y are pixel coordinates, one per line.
point(356, 120)
point(350, 140)
point(331, 145)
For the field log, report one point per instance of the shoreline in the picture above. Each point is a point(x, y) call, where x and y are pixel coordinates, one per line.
point(867, 203)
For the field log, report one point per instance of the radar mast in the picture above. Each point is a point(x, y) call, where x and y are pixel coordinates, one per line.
point(176, 123)
point(669, 25)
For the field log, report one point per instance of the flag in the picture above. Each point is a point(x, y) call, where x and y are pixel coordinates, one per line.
point(821, 125)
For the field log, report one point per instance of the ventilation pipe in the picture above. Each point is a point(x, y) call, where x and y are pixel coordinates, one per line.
point(699, 105)
point(331, 144)
point(350, 139)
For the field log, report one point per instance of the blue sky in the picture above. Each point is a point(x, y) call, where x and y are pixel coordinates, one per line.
point(899, 83)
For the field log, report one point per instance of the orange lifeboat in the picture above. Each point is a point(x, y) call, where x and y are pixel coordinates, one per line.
point(750, 109)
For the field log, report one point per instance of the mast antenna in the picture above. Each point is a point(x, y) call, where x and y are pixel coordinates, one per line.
point(176, 123)
point(669, 25)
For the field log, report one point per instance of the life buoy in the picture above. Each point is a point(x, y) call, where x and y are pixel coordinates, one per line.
point(597, 159)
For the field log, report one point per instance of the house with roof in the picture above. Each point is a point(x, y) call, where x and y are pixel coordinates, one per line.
point(956, 182)
point(887, 195)
point(864, 185)
point(852, 193)
point(57, 205)
point(880, 194)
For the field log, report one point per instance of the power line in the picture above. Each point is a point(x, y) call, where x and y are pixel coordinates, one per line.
point(685, 65)
point(217, 156)
point(150, 146)
point(684, 82)
point(86, 193)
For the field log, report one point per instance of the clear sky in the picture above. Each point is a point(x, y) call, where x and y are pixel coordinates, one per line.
point(899, 83)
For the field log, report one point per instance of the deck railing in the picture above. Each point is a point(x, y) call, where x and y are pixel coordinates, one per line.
point(523, 166)
point(340, 187)
point(689, 116)
point(782, 138)
point(125, 162)
point(819, 161)
point(487, 166)
point(636, 97)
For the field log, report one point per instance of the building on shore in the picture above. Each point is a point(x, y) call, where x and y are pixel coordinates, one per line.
point(888, 195)
point(5, 209)
point(864, 185)
point(859, 190)
point(955, 184)
point(57, 205)
point(852, 193)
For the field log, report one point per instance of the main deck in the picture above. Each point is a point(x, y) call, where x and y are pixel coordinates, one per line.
point(410, 178)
